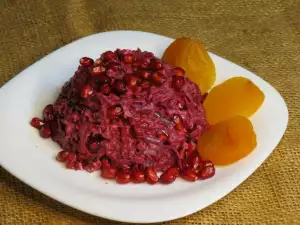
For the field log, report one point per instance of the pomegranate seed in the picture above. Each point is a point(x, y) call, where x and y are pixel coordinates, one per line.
point(105, 163)
point(138, 176)
point(97, 164)
point(181, 103)
point(184, 165)
point(86, 61)
point(179, 71)
point(105, 89)
point(189, 174)
point(89, 168)
point(93, 166)
point(97, 70)
point(128, 59)
point(178, 82)
point(45, 131)
point(75, 117)
point(48, 113)
point(169, 176)
point(109, 56)
point(62, 156)
point(208, 170)
point(149, 55)
point(181, 106)
point(157, 78)
point(36, 123)
point(178, 123)
point(155, 64)
point(71, 157)
point(185, 145)
point(115, 111)
point(123, 177)
point(118, 52)
point(162, 71)
point(71, 165)
point(163, 136)
point(83, 156)
point(108, 172)
point(119, 87)
point(141, 65)
point(94, 146)
point(151, 176)
point(86, 91)
point(78, 166)
point(144, 74)
point(132, 81)
point(194, 160)
point(112, 68)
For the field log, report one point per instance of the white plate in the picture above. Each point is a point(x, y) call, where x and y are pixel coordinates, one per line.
point(32, 159)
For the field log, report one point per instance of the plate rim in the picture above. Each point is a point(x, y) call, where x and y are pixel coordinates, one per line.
point(62, 200)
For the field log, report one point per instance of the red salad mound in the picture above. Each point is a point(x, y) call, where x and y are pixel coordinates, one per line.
point(130, 115)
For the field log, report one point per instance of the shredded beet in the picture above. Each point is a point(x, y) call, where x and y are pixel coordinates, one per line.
point(128, 108)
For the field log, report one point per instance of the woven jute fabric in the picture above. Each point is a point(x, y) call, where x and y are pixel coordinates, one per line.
point(262, 36)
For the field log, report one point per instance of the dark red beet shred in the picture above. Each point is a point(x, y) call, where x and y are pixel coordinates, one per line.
point(131, 113)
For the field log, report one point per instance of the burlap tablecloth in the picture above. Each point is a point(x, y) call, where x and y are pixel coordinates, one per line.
point(263, 36)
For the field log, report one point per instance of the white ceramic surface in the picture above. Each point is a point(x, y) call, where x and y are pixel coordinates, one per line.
point(31, 159)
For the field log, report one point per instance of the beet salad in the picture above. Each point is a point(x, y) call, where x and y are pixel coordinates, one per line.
point(131, 116)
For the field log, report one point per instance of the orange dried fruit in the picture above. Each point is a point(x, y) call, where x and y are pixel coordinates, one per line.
point(227, 141)
point(236, 96)
point(191, 55)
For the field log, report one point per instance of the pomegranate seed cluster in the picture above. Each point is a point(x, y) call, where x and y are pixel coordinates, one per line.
point(129, 115)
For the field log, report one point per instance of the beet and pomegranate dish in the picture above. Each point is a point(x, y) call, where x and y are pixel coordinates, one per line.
point(131, 116)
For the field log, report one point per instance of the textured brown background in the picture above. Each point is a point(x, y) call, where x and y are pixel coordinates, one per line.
point(263, 36)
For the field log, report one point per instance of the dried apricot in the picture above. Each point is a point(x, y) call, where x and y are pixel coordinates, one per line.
point(236, 96)
point(191, 55)
point(227, 141)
